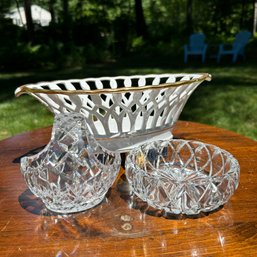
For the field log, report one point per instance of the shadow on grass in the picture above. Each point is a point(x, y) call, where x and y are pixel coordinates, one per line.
point(228, 101)
point(222, 75)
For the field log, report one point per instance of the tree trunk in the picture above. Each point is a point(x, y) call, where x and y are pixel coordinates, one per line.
point(241, 25)
point(189, 16)
point(254, 17)
point(65, 7)
point(29, 21)
point(51, 10)
point(140, 19)
point(19, 11)
point(66, 20)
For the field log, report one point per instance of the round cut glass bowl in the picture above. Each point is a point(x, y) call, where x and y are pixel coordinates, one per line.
point(182, 177)
point(122, 112)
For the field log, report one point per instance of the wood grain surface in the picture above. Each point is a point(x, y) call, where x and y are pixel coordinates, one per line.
point(123, 225)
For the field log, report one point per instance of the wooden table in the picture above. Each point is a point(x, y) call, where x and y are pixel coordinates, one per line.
point(122, 225)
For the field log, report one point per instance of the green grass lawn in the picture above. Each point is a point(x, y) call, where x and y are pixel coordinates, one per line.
point(229, 101)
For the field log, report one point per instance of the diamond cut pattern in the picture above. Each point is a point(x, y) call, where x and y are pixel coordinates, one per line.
point(73, 172)
point(182, 176)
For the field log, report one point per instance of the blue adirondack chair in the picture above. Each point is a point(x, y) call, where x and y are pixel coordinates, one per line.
point(196, 46)
point(235, 49)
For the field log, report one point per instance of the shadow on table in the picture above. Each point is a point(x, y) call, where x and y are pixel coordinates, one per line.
point(111, 217)
point(138, 204)
point(121, 214)
point(29, 202)
point(34, 205)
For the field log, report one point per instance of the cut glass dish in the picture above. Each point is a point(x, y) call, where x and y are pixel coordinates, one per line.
point(73, 172)
point(182, 177)
point(122, 112)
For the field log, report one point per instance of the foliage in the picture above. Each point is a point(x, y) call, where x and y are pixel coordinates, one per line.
point(4, 6)
point(98, 31)
point(222, 19)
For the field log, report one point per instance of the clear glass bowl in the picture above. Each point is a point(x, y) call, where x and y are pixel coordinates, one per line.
point(122, 112)
point(182, 177)
point(73, 172)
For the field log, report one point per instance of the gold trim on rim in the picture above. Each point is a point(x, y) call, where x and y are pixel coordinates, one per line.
point(24, 89)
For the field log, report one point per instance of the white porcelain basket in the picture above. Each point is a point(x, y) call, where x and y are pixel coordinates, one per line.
point(122, 112)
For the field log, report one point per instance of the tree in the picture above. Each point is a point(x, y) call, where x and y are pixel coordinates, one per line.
point(4, 7)
point(254, 17)
point(29, 21)
point(189, 20)
point(66, 20)
point(243, 5)
point(140, 19)
point(51, 10)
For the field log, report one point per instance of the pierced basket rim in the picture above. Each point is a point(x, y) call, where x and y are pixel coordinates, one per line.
point(25, 89)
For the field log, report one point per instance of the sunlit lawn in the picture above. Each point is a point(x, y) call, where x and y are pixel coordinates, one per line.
point(228, 101)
